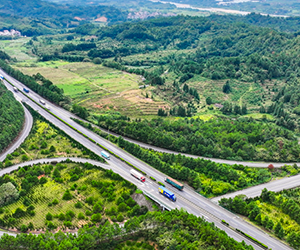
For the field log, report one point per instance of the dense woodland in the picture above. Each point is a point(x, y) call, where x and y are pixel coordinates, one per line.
point(11, 117)
point(261, 210)
point(241, 139)
point(168, 230)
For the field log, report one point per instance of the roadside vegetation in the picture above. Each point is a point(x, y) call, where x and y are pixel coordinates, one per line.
point(206, 177)
point(11, 117)
point(164, 230)
point(232, 139)
point(276, 212)
point(65, 196)
point(47, 141)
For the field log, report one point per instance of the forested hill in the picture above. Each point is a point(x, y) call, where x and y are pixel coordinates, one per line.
point(11, 117)
point(63, 13)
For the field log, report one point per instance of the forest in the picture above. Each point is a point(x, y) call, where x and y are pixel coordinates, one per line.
point(11, 117)
point(276, 212)
point(238, 139)
point(167, 230)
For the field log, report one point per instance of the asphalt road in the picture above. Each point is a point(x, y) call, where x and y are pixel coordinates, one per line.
point(188, 199)
point(276, 186)
point(21, 137)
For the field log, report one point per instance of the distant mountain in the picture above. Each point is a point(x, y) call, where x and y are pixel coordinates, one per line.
point(65, 13)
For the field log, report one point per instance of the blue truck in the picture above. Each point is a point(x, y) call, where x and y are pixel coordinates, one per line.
point(105, 155)
point(1, 77)
point(167, 193)
point(25, 90)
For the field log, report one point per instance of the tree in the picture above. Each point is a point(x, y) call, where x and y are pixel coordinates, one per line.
point(279, 230)
point(49, 216)
point(226, 88)
point(8, 193)
point(120, 217)
point(96, 218)
point(209, 100)
point(67, 195)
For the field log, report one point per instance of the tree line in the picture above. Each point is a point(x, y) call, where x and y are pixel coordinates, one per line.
point(11, 117)
point(240, 139)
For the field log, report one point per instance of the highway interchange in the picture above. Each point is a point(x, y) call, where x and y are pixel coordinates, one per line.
point(188, 199)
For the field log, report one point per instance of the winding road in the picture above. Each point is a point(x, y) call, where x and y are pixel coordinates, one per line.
point(188, 199)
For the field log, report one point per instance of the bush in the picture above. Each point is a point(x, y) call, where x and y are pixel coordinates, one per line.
point(67, 195)
point(55, 202)
point(70, 214)
point(81, 216)
point(67, 224)
point(61, 217)
point(43, 180)
point(49, 216)
point(96, 218)
point(152, 178)
point(88, 213)
point(120, 217)
point(24, 228)
point(25, 158)
point(78, 204)
point(51, 226)
point(30, 208)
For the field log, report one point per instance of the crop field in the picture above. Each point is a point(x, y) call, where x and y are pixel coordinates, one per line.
point(17, 49)
point(88, 192)
point(99, 88)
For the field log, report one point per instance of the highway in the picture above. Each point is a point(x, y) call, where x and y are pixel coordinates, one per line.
point(188, 199)
point(276, 186)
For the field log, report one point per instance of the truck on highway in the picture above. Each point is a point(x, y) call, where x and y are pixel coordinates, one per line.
point(1, 77)
point(174, 183)
point(26, 90)
point(105, 155)
point(137, 175)
point(15, 89)
point(167, 193)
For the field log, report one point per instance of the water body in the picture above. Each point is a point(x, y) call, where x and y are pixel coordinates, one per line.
point(214, 10)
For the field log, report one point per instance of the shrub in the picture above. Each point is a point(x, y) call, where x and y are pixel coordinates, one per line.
point(70, 213)
point(23, 228)
point(67, 224)
point(30, 208)
point(96, 218)
point(88, 213)
point(120, 217)
point(43, 180)
point(78, 204)
point(25, 158)
point(49, 216)
point(51, 226)
point(55, 202)
point(97, 208)
point(18, 213)
point(61, 217)
point(152, 178)
point(81, 216)
point(67, 195)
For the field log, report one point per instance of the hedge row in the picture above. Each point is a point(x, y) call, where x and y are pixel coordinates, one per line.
point(253, 239)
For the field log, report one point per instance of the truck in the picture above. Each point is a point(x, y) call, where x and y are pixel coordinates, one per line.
point(15, 89)
point(137, 175)
point(26, 90)
point(1, 77)
point(105, 155)
point(167, 193)
point(42, 102)
point(174, 183)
